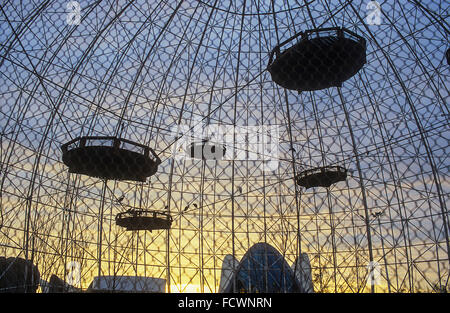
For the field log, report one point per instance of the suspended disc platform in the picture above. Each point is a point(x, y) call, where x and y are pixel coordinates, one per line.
point(137, 219)
point(110, 158)
point(323, 58)
point(205, 150)
point(321, 176)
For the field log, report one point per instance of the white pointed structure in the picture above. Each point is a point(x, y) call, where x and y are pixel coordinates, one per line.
point(302, 271)
point(229, 265)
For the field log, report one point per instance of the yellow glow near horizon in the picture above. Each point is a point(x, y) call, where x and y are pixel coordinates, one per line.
point(188, 288)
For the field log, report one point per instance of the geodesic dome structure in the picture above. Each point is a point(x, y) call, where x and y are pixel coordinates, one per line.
point(129, 77)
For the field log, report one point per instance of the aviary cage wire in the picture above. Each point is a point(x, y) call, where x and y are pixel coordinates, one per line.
point(159, 73)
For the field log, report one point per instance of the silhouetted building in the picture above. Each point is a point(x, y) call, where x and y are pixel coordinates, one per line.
point(18, 275)
point(57, 285)
point(264, 269)
point(127, 284)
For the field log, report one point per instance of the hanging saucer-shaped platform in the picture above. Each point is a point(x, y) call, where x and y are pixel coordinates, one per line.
point(321, 176)
point(110, 158)
point(138, 219)
point(206, 150)
point(323, 58)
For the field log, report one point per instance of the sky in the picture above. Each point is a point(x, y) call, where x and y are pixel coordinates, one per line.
point(142, 68)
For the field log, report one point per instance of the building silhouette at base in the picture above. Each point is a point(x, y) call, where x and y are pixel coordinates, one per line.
point(264, 270)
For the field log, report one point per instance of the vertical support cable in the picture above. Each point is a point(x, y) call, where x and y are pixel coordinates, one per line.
point(261, 101)
point(291, 148)
point(169, 193)
point(234, 143)
point(100, 232)
point(384, 256)
point(330, 211)
point(361, 183)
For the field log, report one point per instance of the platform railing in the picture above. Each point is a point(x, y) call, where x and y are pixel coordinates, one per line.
point(115, 142)
point(144, 213)
point(323, 169)
point(341, 32)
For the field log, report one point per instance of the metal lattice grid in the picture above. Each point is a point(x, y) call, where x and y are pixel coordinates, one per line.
point(140, 69)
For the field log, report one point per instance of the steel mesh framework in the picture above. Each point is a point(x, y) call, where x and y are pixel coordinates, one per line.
point(140, 69)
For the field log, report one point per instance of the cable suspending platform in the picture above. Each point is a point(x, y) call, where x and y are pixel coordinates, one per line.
point(322, 58)
point(110, 158)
